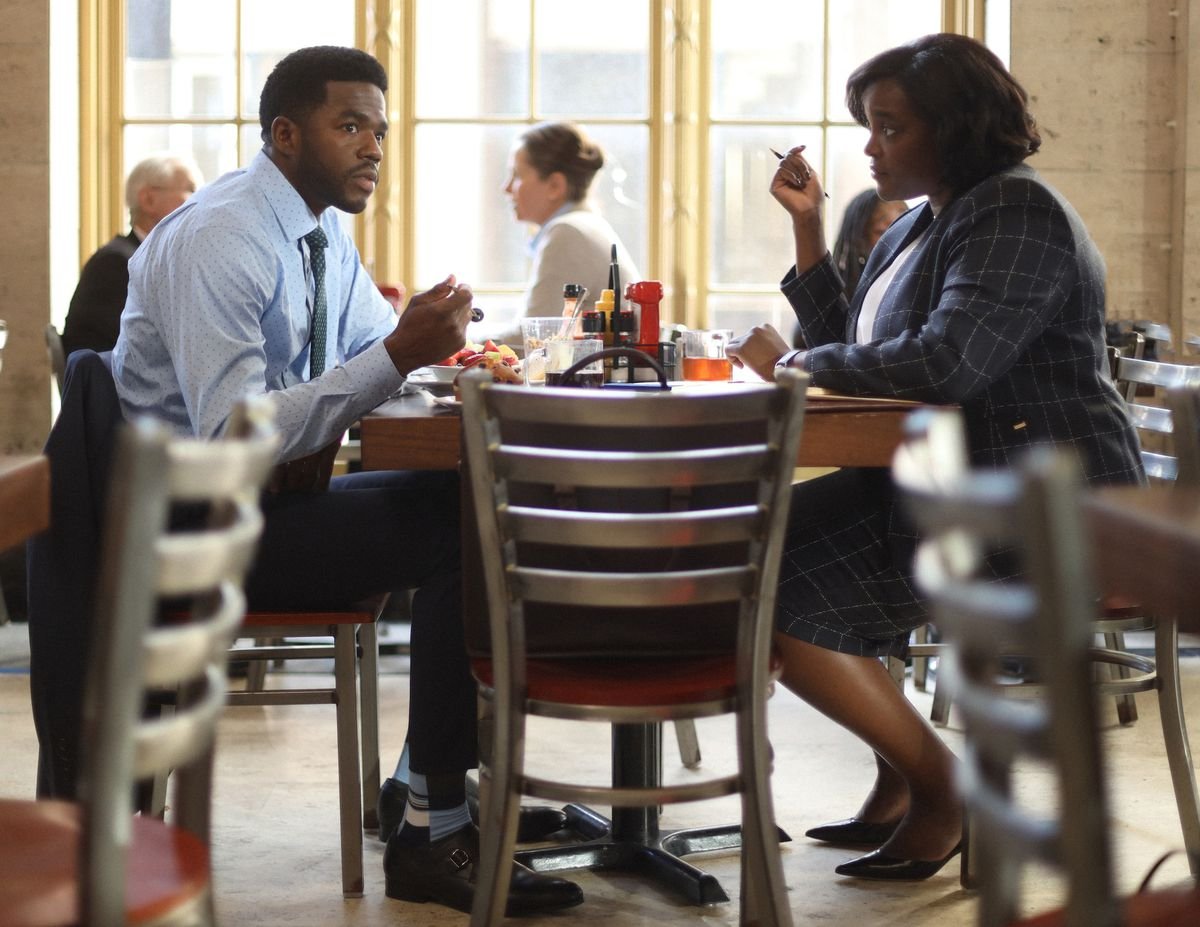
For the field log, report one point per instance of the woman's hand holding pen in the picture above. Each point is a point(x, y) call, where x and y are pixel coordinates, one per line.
point(795, 184)
point(432, 326)
point(798, 190)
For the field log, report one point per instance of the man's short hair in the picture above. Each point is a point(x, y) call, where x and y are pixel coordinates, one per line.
point(296, 86)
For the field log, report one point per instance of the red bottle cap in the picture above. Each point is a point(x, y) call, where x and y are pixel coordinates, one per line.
point(644, 291)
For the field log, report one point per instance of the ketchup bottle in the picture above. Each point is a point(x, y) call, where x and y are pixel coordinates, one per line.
point(647, 295)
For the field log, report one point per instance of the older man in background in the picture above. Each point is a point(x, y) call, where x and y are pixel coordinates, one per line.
point(155, 187)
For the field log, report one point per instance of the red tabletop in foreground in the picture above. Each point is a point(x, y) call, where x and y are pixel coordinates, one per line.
point(24, 498)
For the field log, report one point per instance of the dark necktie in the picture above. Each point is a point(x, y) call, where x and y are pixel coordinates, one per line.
point(316, 254)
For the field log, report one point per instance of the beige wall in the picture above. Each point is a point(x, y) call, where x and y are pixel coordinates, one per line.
point(1111, 83)
point(24, 233)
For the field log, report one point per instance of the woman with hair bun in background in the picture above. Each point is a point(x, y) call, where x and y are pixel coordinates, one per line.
point(551, 170)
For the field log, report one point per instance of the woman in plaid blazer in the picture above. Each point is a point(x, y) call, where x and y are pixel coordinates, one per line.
point(989, 295)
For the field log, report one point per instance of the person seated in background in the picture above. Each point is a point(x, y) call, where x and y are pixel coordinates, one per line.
point(155, 187)
point(551, 170)
point(988, 296)
point(865, 219)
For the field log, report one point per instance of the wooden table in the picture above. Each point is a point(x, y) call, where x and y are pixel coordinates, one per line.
point(414, 433)
point(24, 498)
point(1147, 547)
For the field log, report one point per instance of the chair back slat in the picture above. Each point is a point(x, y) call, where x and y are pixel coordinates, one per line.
point(172, 741)
point(633, 590)
point(551, 407)
point(623, 529)
point(1150, 418)
point(191, 562)
point(176, 651)
point(699, 467)
point(1157, 373)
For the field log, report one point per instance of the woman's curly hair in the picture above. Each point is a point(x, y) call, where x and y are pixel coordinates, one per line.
point(977, 110)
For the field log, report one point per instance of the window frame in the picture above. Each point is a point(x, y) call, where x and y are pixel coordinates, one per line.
point(678, 123)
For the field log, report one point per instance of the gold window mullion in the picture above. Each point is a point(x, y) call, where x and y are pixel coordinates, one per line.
point(965, 17)
point(101, 76)
point(688, 141)
point(384, 28)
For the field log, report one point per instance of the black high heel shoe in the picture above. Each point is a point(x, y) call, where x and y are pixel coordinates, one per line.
point(886, 868)
point(853, 833)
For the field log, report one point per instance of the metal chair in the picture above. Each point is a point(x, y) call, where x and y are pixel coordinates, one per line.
point(1034, 514)
point(1153, 421)
point(349, 638)
point(630, 548)
point(93, 862)
point(937, 441)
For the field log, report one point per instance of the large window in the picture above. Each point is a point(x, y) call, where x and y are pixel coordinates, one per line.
point(192, 72)
point(686, 97)
point(514, 63)
point(776, 75)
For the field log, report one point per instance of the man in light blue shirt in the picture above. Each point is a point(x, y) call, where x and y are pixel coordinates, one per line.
point(254, 287)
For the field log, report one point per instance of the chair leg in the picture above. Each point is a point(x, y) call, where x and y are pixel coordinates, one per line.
point(256, 671)
point(939, 714)
point(920, 665)
point(895, 668)
point(368, 645)
point(1126, 704)
point(502, 755)
point(764, 891)
point(689, 743)
point(1175, 736)
point(345, 665)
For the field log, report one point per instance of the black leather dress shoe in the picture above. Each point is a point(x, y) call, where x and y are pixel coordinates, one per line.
point(536, 822)
point(853, 833)
point(446, 872)
point(886, 868)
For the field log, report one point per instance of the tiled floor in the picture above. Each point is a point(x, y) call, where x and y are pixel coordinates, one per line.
point(276, 822)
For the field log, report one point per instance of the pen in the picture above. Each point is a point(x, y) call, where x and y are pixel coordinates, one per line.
point(782, 157)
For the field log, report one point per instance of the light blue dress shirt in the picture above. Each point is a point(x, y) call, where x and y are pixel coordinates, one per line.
point(220, 307)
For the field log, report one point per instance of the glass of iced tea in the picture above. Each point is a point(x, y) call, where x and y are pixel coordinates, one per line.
point(562, 353)
point(535, 332)
point(704, 354)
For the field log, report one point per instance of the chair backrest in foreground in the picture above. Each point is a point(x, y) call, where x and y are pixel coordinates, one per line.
point(144, 563)
point(1032, 513)
point(628, 538)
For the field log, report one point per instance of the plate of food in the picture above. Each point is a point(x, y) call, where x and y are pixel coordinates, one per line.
point(498, 358)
